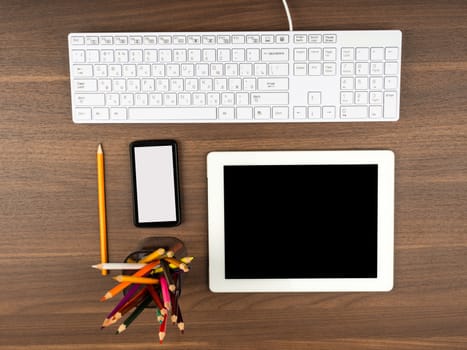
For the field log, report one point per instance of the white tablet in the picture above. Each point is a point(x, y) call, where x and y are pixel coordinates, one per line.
point(301, 221)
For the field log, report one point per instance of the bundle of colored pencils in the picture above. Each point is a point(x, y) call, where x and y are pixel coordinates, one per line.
point(148, 279)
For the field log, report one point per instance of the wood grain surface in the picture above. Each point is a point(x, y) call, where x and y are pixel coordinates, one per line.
point(48, 187)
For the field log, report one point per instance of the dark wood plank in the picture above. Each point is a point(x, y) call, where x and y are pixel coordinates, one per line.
point(48, 207)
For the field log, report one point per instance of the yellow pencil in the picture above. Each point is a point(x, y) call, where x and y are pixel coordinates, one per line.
point(182, 266)
point(139, 280)
point(101, 203)
point(153, 256)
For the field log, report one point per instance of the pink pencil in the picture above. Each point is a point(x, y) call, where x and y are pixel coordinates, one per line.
point(165, 292)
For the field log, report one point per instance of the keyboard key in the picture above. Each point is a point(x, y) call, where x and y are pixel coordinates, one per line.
point(329, 69)
point(376, 112)
point(329, 54)
point(100, 113)
point(347, 54)
point(329, 112)
point(87, 85)
point(354, 112)
point(262, 113)
point(390, 83)
point(329, 38)
point(268, 84)
point(118, 113)
point(314, 38)
point(299, 69)
point(83, 114)
point(390, 68)
point(314, 112)
point(173, 113)
point(77, 40)
point(392, 53)
point(390, 105)
point(314, 69)
point(269, 98)
point(362, 54)
point(280, 112)
point(238, 39)
point(299, 112)
point(282, 39)
point(314, 54)
point(299, 54)
point(82, 70)
point(300, 38)
point(377, 53)
point(274, 55)
point(89, 99)
point(78, 56)
point(314, 98)
point(244, 113)
point(226, 113)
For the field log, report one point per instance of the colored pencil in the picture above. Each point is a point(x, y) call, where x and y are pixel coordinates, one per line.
point(160, 317)
point(101, 204)
point(174, 300)
point(121, 286)
point(131, 292)
point(163, 329)
point(187, 259)
point(153, 256)
point(157, 299)
point(130, 304)
point(168, 275)
point(182, 266)
point(180, 323)
point(165, 293)
point(118, 266)
point(176, 247)
point(133, 315)
point(137, 280)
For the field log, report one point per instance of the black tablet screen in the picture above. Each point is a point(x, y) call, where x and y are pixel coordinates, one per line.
point(300, 221)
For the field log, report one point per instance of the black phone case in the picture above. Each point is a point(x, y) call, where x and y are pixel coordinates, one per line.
point(143, 143)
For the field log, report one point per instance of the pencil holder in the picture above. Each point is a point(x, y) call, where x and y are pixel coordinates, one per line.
point(148, 246)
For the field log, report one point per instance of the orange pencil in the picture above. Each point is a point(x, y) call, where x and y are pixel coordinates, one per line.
point(137, 280)
point(121, 286)
point(101, 203)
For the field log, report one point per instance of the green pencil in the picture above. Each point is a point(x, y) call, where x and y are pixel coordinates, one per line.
point(134, 315)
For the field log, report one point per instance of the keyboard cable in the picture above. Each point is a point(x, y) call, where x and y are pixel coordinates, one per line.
point(287, 12)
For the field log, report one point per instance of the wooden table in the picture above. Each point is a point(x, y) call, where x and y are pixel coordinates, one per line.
point(48, 188)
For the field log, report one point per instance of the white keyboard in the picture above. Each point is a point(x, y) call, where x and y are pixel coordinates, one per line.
point(232, 77)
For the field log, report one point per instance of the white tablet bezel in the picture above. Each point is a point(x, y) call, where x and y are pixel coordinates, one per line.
point(385, 221)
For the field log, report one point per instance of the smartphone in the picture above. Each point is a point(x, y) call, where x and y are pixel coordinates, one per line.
point(156, 193)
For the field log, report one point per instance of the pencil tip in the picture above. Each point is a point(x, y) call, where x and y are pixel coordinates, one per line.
point(99, 148)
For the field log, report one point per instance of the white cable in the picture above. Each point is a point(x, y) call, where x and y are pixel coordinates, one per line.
point(287, 12)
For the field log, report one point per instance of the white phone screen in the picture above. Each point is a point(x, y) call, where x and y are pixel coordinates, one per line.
point(155, 184)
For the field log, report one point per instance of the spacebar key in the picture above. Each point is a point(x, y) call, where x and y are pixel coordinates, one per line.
point(171, 113)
